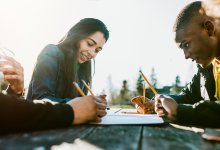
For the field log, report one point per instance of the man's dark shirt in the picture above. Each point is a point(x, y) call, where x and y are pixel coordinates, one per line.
point(194, 91)
point(197, 103)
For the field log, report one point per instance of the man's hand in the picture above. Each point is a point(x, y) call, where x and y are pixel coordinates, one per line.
point(166, 106)
point(146, 108)
point(88, 108)
point(13, 73)
point(143, 106)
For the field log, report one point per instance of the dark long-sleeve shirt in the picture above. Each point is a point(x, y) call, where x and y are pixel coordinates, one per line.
point(202, 87)
point(197, 103)
point(17, 115)
point(203, 113)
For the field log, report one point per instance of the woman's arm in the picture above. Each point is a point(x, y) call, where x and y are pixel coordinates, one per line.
point(45, 76)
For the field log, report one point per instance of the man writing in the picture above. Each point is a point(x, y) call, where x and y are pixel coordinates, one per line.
point(198, 35)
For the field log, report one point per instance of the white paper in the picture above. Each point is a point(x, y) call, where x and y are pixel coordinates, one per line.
point(120, 118)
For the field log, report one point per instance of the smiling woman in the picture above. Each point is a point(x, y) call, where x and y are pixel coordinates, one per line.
point(70, 60)
point(90, 46)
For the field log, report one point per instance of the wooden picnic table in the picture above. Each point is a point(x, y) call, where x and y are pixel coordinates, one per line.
point(111, 137)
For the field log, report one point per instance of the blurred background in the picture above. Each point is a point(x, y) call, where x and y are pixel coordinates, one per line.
point(141, 37)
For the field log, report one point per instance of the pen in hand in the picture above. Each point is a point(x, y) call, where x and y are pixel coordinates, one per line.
point(151, 87)
point(103, 96)
point(78, 89)
point(88, 87)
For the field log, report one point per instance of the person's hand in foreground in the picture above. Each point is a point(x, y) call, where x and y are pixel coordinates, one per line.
point(166, 106)
point(13, 73)
point(88, 108)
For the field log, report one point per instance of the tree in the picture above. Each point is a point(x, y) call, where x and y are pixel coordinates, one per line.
point(139, 85)
point(124, 90)
point(177, 81)
point(111, 88)
point(153, 78)
point(123, 98)
point(176, 89)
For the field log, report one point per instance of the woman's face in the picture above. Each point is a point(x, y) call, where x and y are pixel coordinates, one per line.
point(90, 46)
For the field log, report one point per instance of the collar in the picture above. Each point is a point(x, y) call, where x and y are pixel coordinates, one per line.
point(208, 68)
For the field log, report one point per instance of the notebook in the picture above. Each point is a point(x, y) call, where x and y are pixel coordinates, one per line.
point(129, 117)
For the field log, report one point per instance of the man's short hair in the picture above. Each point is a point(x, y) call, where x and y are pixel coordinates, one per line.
point(187, 13)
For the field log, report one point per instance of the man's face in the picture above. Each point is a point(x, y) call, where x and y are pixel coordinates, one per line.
point(196, 44)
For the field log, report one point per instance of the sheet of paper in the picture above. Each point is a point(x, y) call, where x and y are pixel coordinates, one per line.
point(119, 118)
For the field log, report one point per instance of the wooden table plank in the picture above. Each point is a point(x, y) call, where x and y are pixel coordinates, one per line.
point(168, 138)
point(115, 137)
point(44, 139)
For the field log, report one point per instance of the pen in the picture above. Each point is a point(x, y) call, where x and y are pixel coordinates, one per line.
point(81, 92)
point(151, 87)
point(88, 87)
point(78, 89)
point(143, 93)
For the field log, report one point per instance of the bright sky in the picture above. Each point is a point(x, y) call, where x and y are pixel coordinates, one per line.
point(140, 36)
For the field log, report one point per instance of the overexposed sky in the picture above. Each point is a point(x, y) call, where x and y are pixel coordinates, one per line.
point(140, 36)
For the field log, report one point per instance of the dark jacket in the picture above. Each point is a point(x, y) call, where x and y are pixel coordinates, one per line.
point(48, 79)
point(197, 104)
point(195, 90)
point(17, 115)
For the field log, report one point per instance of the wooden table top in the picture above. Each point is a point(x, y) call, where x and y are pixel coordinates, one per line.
point(110, 137)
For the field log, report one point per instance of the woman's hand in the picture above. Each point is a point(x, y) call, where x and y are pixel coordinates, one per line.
point(88, 108)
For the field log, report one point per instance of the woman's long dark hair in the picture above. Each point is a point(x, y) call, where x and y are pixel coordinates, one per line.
point(69, 44)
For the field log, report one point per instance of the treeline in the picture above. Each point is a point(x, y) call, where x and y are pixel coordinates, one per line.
point(124, 96)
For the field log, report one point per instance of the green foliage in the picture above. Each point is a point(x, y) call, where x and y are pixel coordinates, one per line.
point(177, 81)
point(139, 85)
point(153, 78)
point(176, 88)
point(124, 90)
point(124, 97)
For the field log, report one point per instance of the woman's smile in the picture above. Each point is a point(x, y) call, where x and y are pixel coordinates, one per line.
point(83, 57)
